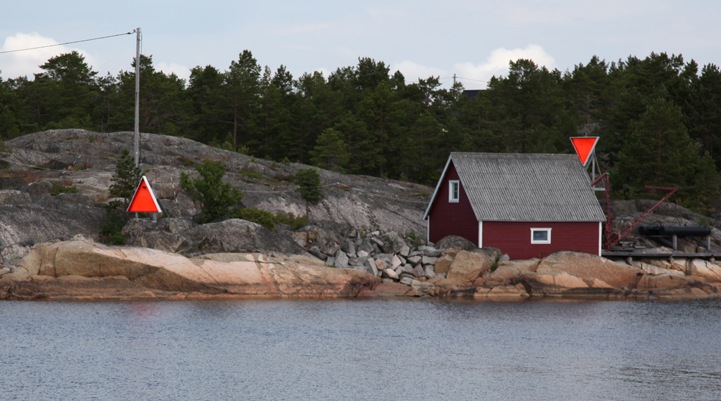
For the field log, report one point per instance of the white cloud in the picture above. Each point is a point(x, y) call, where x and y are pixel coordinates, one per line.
point(412, 71)
point(28, 62)
point(323, 71)
point(477, 75)
point(181, 71)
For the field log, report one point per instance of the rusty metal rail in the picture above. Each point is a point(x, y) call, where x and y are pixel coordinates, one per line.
point(611, 238)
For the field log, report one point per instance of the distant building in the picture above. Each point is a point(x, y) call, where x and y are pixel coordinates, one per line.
point(472, 93)
point(528, 205)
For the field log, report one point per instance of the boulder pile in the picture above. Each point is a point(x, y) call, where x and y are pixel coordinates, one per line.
point(391, 256)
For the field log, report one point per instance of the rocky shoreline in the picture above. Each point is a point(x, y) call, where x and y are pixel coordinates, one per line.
point(362, 240)
point(81, 269)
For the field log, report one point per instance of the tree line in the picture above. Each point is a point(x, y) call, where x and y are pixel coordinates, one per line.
point(659, 118)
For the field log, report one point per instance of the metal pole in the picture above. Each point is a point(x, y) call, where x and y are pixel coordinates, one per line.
point(136, 136)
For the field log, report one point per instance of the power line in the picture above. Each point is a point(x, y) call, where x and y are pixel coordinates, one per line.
point(471, 79)
point(66, 43)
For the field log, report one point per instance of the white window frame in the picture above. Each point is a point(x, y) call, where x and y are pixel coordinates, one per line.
point(454, 191)
point(541, 229)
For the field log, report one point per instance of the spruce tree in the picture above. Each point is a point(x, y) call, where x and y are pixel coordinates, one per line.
point(126, 178)
point(124, 181)
point(330, 151)
point(308, 181)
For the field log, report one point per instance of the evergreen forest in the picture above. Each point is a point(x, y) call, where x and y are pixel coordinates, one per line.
point(659, 117)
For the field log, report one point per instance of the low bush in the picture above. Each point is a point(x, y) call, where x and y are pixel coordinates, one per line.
point(111, 229)
point(270, 220)
point(59, 188)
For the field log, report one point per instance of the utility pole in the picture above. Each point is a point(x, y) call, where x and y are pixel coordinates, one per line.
point(136, 131)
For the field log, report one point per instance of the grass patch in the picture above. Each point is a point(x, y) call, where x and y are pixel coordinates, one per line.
point(185, 161)
point(251, 174)
point(59, 188)
point(415, 239)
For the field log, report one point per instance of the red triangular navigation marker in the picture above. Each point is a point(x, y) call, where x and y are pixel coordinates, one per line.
point(143, 200)
point(584, 146)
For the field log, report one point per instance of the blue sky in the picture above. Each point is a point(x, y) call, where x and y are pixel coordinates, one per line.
point(472, 39)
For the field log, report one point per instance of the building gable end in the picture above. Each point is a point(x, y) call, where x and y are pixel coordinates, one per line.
point(438, 187)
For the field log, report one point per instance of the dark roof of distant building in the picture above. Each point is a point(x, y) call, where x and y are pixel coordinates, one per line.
point(472, 93)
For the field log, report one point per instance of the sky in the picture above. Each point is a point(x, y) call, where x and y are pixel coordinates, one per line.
point(472, 40)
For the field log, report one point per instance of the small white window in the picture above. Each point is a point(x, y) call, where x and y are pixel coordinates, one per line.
point(454, 191)
point(540, 235)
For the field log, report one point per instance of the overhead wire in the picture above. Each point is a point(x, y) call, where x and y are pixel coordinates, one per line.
point(65, 43)
point(470, 79)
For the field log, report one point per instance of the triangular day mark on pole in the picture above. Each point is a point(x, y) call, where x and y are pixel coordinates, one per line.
point(584, 146)
point(144, 200)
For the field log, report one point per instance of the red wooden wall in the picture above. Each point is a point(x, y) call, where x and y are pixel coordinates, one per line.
point(514, 238)
point(446, 218)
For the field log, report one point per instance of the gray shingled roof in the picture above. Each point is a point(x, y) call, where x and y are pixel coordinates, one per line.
point(527, 187)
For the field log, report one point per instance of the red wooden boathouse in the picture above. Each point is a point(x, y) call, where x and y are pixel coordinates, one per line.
point(527, 205)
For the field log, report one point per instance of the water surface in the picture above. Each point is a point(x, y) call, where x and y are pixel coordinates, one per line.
point(360, 350)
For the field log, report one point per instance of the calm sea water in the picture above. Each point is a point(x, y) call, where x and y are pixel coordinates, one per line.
point(360, 350)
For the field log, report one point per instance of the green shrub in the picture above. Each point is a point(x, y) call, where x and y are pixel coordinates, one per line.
point(111, 229)
point(414, 238)
point(309, 188)
point(294, 222)
point(260, 216)
point(271, 220)
point(217, 198)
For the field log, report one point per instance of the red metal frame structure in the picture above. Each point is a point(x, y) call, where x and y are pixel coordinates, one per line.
point(611, 238)
point(607, 227)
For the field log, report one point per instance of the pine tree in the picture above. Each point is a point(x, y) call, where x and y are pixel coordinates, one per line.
point(126, 178)
point(330, 151)
point(308, 181)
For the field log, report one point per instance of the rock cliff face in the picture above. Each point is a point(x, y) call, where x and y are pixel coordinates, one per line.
point(85, 161)
point(182, 236)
